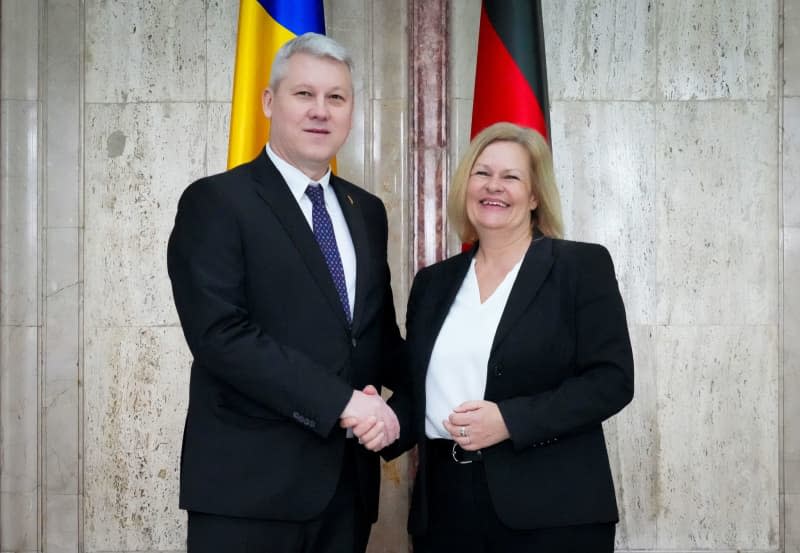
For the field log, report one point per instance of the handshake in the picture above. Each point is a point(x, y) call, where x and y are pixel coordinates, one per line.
point(370, 419)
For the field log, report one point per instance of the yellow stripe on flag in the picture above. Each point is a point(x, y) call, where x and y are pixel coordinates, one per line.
point(259, 39)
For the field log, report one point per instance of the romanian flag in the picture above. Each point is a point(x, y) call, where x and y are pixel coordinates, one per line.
point(264, 26)
point(511, 77)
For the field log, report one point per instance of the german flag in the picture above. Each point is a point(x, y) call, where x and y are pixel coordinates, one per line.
point(511, 77)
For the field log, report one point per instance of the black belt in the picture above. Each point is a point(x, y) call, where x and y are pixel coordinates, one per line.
point(449, 449)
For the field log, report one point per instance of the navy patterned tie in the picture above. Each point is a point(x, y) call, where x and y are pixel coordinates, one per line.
point(323, 232)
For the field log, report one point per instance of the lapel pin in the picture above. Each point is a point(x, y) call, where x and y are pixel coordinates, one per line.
point(350, 200)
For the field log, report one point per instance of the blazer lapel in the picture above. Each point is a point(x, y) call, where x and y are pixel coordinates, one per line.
point(443, 294)
point(275, 192)
point(532, 274)
point(361, 244)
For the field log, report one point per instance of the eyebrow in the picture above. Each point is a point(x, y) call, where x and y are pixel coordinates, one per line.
point(485, 166)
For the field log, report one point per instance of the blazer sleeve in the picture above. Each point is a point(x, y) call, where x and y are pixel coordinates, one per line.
point(601, 382)
point(206, 265)
point(402, 400)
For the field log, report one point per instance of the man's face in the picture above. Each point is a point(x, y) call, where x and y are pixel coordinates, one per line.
point(311, 112)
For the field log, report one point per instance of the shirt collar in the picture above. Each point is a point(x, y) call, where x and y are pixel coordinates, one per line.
point(294, 177)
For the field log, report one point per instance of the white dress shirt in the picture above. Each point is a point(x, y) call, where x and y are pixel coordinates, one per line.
point(298, 182)
point(459, 362)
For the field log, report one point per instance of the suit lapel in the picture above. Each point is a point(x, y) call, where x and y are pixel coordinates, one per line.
point(532, 274)
point(354, 217)
point(275, 192)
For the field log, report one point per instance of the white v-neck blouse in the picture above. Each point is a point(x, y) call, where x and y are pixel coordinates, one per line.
point(459, 362)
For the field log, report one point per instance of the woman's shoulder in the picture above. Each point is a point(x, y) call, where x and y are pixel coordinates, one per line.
point(582, 254)
point(444, 268)
point(452, 263)
point(574, 248)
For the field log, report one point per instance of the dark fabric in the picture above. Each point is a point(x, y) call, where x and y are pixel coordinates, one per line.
point(251, 286)
point(560, 364)
point(463, 519)
point(341, 528)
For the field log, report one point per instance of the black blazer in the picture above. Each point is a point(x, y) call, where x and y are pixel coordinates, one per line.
point(275, 362)
point(560, 364)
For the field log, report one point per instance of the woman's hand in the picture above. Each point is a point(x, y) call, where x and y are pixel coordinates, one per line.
point(477, 425)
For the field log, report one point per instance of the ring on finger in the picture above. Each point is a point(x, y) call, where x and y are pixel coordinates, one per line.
point(462, 431)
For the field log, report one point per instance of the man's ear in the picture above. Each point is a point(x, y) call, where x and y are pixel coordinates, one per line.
point(266, 102)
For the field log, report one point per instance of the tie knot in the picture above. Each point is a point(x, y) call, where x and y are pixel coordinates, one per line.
point(315, 194)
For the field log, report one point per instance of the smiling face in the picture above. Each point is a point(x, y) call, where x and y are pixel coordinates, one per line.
point(311, 112)
point(500, 196)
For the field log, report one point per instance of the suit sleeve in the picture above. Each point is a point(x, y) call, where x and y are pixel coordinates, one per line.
point(603, 373)
point(393, 358)
point(206, 265)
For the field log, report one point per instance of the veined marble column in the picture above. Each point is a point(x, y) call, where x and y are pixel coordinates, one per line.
point(20, 278)
point(429, 127)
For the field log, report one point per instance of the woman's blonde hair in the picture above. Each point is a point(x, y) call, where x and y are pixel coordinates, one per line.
point(547, 215)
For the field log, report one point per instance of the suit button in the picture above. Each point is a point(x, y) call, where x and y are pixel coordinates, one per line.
point(354, 342)
point(498, 370)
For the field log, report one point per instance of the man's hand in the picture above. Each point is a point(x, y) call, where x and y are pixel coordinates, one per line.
point(372, 421)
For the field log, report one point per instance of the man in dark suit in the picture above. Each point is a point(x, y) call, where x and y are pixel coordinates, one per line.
point(281, 283)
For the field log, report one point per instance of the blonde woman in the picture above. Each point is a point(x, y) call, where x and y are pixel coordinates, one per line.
point(518, 351)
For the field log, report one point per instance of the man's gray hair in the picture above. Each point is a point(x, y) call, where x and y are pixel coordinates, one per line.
point(314, 44)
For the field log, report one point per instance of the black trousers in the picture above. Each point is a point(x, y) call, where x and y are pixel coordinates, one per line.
point(463, 519)
point(341, 528)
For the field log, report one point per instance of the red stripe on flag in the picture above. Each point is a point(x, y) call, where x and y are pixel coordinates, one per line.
point(501, 91)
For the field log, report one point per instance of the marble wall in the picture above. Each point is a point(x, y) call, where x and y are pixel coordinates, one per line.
point(790, 210)
point(665, 128)
point(665, 131)
point(676, 131)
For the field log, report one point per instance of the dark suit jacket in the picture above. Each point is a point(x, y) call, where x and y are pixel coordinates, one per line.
point(560, 364)
point(275, 362)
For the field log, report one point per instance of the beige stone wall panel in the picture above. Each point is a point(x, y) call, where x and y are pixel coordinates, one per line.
point(717, 49)
point(148, 51)
point(600, 49)
point(717, 212)
point(138, 382)
point(604, 155)
point(718, 398)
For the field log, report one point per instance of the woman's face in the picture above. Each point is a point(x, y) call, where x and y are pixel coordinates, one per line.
point(499, 191)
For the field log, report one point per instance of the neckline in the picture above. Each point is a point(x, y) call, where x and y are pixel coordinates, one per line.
point(476, 290)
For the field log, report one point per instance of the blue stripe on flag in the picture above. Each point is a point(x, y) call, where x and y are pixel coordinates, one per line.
point(298, 16)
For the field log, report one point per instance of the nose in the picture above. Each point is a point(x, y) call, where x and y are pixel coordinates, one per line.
point(319, 108)
point(494, 184)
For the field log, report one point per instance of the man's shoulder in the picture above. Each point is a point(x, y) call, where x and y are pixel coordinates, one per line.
point(368, 203)
point(226, 184)
point(356, 191)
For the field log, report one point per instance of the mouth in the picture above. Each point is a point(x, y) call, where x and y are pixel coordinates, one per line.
point(318, 131)
point(493, 203)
